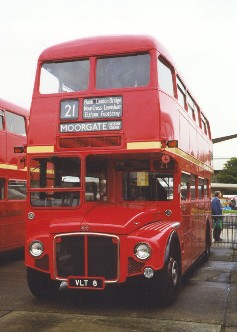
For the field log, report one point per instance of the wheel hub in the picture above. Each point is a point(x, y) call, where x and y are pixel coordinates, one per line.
point(174, 271)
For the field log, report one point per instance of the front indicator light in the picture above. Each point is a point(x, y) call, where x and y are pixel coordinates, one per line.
point(142, 251)
point(148, 272)
point(36, 248)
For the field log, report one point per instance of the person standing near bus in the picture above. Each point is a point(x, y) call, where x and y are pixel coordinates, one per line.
point(216, 209)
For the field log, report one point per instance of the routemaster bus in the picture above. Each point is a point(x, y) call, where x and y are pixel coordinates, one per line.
point(13, 127)
point(119, 159)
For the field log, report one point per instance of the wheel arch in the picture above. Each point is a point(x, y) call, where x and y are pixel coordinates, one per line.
point(173, 242)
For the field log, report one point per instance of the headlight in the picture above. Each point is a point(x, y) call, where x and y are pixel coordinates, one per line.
point(142, 251)
point(36, 248)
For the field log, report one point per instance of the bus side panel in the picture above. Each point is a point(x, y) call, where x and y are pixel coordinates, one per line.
point(12, 225)
point(169, 117)
point(12, 141)
point(134, 105)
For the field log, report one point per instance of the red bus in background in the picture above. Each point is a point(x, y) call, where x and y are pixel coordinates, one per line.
point(13, 128)
point(119, 158)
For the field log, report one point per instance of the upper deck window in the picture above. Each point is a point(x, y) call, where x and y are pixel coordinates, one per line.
point(15, 123)
point(123, 71)
point(61, 77)
point(181, 92)
point(1, 119)
point(165, 78)
point(204, 124)
point(192, 108)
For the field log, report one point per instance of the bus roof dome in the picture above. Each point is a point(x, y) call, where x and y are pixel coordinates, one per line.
point(103, 45)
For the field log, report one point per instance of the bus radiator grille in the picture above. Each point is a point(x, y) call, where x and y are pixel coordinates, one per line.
point(87, 255)
point(42, 263)
point(134, 266)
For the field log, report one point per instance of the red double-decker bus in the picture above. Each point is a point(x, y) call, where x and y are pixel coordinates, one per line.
point(13, 127)
point(119, 159)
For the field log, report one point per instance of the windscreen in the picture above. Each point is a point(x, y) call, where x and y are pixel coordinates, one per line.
point(61, 77)
point(148, 186)
point(55, 181)
point(123, 71)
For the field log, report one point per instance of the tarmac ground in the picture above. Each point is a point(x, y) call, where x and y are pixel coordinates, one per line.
point(207, 302)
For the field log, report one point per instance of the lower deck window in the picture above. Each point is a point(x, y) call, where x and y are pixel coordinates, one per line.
point(96, 179)
point(55, 181)
point(55, 199)
point(2, 189)
point(148, 186)
point(16, 190)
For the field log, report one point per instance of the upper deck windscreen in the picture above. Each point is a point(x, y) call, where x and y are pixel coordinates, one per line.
point(68, 76)
point(111, 73)
point(123, 71)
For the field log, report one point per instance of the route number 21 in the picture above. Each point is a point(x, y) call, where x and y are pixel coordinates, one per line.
point(69, 109)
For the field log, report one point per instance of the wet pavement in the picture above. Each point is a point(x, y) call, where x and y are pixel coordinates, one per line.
point(207, 302)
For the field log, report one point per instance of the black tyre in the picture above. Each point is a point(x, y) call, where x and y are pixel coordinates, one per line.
point(170, 276)
point(40, 284)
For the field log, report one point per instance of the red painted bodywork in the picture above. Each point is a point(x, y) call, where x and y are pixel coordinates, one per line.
point(149, 115)
point(12, 167)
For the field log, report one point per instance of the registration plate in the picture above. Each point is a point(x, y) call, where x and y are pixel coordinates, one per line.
point(86, 283)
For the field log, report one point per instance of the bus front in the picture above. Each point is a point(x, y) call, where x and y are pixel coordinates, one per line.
point(100, 184)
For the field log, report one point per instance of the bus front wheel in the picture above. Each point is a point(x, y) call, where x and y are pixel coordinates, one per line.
point(40, 284)
point(170, 277)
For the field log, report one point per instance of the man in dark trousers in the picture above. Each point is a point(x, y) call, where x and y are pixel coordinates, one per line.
point(216, 209)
